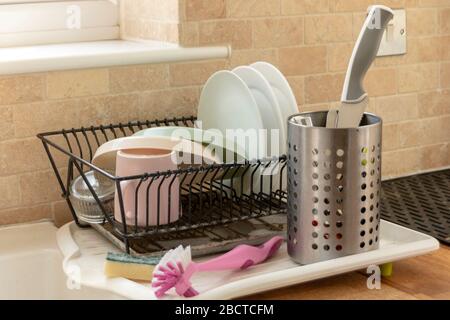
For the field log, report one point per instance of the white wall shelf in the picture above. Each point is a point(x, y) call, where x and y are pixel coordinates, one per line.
point(96, 54)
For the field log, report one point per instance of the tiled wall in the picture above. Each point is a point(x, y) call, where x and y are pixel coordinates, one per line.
point(151, 19)
point(310, 40)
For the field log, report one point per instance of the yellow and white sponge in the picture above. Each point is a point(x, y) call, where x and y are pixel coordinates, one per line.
point(133, 268)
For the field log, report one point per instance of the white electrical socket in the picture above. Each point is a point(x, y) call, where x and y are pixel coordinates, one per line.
point(394, 37)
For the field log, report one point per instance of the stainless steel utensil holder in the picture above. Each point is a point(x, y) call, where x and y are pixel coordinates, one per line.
point(334, 183)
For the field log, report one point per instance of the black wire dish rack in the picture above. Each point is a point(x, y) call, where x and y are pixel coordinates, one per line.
point(221, 204)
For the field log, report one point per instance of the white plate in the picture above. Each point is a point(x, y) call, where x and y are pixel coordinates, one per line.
point(281, 88)
point(227, 103)
point(272, 119)
point(267, 104)
point(85, 250)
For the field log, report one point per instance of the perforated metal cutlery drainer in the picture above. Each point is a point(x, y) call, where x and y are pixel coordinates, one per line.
point(334, 183)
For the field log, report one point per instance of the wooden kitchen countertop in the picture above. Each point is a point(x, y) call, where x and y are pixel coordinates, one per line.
point(424, 277)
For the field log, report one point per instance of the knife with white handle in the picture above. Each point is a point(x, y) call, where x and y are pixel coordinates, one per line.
point(354, 99)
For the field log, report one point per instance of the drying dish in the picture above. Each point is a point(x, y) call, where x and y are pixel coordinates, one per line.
point(83, 201)
point(226, 103)
point(86, 250)
point(105, 156)
point(268, 106)
point(226, 150)
point(281, 88)
point(147, 203)
point(273, 119)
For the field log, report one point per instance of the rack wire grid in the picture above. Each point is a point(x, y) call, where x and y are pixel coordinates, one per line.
point(217, 195)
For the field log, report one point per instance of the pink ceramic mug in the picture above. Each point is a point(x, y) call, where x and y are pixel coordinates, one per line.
point(136, 162)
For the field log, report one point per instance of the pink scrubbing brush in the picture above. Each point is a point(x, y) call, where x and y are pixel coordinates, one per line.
point(176, 267)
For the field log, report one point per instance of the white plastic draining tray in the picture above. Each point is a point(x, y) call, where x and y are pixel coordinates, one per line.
point(85, 251)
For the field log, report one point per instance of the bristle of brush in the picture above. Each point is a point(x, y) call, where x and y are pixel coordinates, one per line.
point(171, 265)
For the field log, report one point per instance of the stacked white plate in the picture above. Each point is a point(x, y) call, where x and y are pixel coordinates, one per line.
point(249, 97)
point(256, 97)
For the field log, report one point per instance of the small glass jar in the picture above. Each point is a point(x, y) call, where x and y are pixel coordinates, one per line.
point(84, 203)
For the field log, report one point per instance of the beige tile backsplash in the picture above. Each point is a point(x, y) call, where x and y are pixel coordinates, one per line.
point(309, 40)
point(77, 83)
